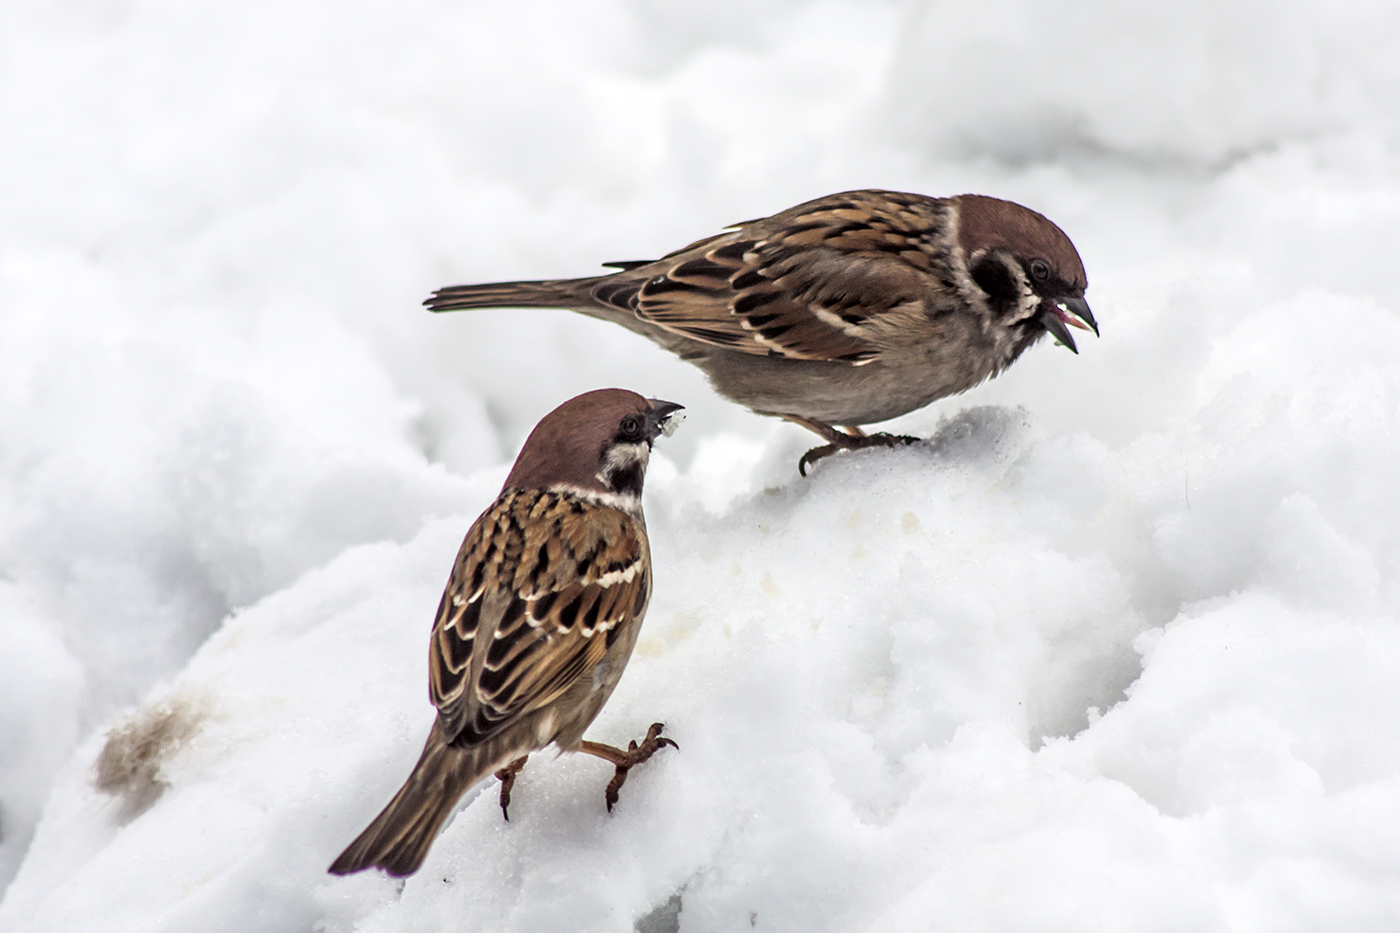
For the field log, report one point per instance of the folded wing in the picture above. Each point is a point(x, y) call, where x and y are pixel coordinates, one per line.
point(530, 608)
point(818, 282)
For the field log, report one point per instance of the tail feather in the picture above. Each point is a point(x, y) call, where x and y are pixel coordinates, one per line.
point(572, 294)
point(399, 837)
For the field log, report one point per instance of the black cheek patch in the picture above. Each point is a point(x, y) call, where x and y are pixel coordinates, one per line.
point(994, 278)
point(627, 480)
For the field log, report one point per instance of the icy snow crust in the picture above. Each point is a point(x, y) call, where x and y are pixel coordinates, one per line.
point(1115, 650)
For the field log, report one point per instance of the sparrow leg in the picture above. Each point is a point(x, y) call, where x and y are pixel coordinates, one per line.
point(507, 776)
point(849, 438)
point(625, 760)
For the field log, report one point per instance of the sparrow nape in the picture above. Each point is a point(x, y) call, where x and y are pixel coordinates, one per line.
point(848, 310)
point(537, 622)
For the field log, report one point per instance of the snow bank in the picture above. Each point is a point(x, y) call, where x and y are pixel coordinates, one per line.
point(1113, 650)
point(1185, 83)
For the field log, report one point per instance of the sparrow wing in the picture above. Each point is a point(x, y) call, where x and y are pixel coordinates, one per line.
point(543, 585)
point(822, 281)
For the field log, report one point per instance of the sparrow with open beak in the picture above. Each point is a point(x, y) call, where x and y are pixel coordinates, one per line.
point(843, 311)
point(537, 622)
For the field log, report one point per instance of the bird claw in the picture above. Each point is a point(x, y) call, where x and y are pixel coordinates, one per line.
point(624, 761)
point(852, 442)
point(888, 440)
point(507, 776)
point(636, 754)
point(813, 455)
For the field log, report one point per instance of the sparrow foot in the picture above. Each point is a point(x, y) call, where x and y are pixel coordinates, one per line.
point(858, 442)
point(850, 438)
point(507, 776)
point(625, 760)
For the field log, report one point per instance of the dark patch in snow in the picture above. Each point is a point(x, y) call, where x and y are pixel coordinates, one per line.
point(666, 918)
point(130, 764)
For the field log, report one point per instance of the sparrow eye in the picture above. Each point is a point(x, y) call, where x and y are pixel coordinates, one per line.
point(631, 428)
point(1040, 270)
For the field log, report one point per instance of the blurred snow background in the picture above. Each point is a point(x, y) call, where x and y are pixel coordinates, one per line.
point(1116, 650)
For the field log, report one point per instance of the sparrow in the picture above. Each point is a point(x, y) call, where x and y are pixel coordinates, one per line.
point(537, 621)
point(847, 310)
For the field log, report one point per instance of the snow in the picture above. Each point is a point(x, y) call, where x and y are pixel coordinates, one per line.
point(1114, 650)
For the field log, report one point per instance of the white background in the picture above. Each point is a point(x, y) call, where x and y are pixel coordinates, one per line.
point(1117, 650)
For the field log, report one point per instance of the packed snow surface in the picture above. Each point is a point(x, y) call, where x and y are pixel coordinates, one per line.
point(1116, 649)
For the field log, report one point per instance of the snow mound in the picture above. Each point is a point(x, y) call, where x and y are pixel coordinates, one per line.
point(1193, 82)
point(1112, 649)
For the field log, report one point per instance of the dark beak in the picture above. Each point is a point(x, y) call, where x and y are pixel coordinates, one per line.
point(1073, 312)
point(663, 418)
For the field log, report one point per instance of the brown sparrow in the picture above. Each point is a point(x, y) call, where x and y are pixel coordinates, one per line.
point(537, 622)
point(847, 310)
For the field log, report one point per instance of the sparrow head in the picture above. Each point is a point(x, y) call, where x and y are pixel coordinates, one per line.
point(597, 443)
point(1029, 269)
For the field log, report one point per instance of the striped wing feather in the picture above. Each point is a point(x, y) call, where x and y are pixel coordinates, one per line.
point(543, 585)
point(819, 282)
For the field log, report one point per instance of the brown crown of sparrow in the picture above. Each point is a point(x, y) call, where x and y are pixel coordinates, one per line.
point(537, 621)
point(847, 310)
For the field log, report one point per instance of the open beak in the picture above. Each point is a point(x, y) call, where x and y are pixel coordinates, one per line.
point(1061, 314)
point(664, 418)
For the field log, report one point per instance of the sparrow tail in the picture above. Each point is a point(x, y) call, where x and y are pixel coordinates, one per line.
point(571, 294)
point(398, 839)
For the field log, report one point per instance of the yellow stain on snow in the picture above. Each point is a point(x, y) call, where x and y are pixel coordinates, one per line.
point(909, 523)
point(190, 887)
point(661, 638)
point(767, 585)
